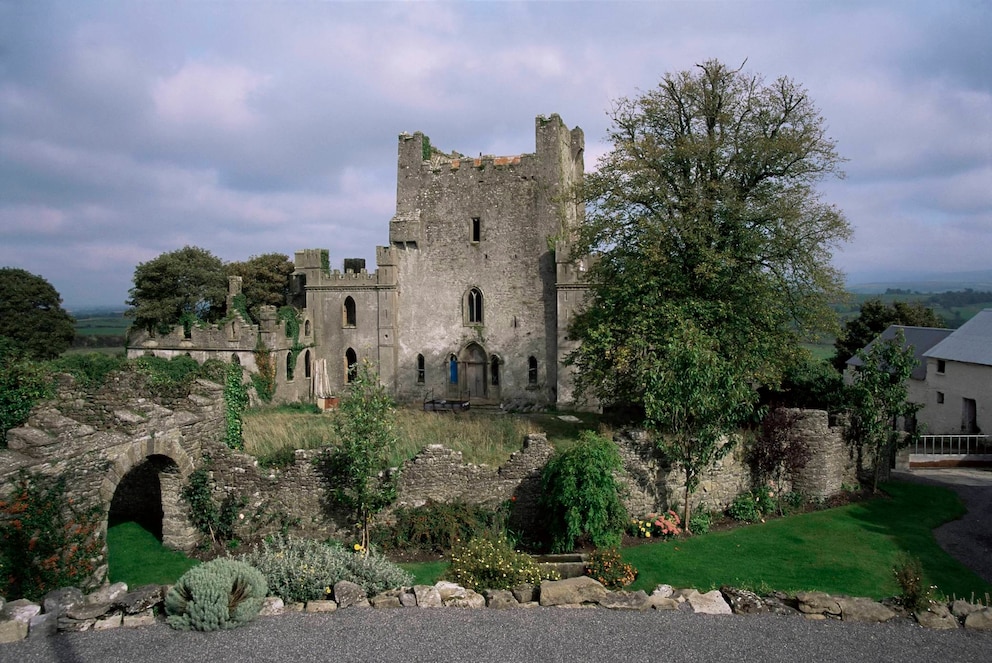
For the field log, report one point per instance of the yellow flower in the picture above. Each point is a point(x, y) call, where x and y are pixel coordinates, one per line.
point(358, 547)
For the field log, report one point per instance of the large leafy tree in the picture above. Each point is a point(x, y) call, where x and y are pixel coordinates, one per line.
point(178, 286)
point(713, 252)
point(874, 318)
point(31, 315)
point(879, 398)
point(265, 280)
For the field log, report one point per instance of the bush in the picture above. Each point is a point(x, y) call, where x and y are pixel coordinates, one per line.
point(299, 570)
point(606, 566)
point(582, 496)
point(46, 542)
point(23, 383)
point(438, 526)
point(751, 507)
point(90, 369)
point(491, 563)
point(916, 595)
point(212, 520)
point(220, 594)
point(700, 520)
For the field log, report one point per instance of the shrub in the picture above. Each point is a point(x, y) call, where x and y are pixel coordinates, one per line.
point(752, 506)
point(46, 542)
point(582, 496)
point(23, 383)
point(299, 570)
point(491, 563)
point(213, 520)
point(437, 526)
point(916, 595)
point(606, 566)
point(656, 525)
point(90, 369)
point(700, 520)
point(220, 594)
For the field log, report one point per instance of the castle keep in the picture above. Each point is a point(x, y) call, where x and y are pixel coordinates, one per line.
point(469, 301)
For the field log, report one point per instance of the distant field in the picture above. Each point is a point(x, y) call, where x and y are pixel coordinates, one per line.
point(100, 332)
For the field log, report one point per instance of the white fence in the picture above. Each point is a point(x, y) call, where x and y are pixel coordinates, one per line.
point(937, 450)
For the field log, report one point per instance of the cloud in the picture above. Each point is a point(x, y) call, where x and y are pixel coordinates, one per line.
point(209, 97)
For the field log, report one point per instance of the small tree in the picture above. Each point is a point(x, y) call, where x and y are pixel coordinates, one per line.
point(778, 451)
point(878, 399)
point(356, 470)
point(183, 285)
point(582, 496)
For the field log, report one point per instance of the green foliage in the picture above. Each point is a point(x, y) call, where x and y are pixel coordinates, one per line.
point(89, 369)
point(265, 282)
point(778, 452)
point(809, 383)
point(300, 570)
point(438, 526)
point(216, 521)
point(701, 520)
point(220, 594)
point(279, 458)
point(264, 380)
point(879, 398)
point(23, 383)
point(173, 377)
point(874, 318)
point(31, 315)
point(656, 525)
point(581, 494)
point(750, 507)
point(426, 149)
point(491, 563)
point(607, 567)
point(356, 472)
point(915, 595)
point(190, 280)
point(46, 541)
point(235, 404)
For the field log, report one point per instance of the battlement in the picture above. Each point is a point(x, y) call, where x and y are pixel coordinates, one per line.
point(313, 269)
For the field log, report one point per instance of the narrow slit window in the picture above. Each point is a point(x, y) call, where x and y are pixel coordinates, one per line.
point(350, 316)
point(421, 370)
point(476, 229)
point(289, 366)
point(350, 366)
point(453, 369)
point(307, 372)
point(532, 370)
point(494, 371)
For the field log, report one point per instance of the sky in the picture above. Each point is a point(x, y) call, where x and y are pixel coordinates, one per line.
point(131, 129)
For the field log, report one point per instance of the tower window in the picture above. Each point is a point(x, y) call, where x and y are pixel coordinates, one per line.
point(350, 317)
point(290, 365)
point(350, 366)
point(494, 371)
point(421, 370)
point(532, 370)
point(476, 229)
point(473, 307)
point(307, 372)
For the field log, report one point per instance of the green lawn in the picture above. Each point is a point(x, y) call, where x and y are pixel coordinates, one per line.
point(138, 558)
point(847, 550)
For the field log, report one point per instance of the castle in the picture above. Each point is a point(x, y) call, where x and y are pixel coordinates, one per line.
point(469, 302)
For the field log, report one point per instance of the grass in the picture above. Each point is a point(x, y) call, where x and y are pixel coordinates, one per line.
point(136, 557)
point(483, 438)
point(846, 550)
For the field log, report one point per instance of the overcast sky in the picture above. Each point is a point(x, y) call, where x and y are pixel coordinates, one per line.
point(128, 129)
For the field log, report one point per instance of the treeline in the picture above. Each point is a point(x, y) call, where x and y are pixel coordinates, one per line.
point(966, 297)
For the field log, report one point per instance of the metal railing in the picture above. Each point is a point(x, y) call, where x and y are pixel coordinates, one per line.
point(956, 445)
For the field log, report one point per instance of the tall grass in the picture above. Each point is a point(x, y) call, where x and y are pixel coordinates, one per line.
point(482, 438)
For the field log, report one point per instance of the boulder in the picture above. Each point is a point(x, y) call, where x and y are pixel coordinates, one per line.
point(525, 593)
point(937, 616)
point(710, 603)
point(408, 599)
point(113, 620)
point(271, 606)
point(743, 601)
point(141, 599)
point(58, 601)
point(146, 618)
point(449, 590)
point(107, 593)
point(863, 610)
point(12, 630)
point(818, 603)
point(43, 626)
point(321, 606)
point(571, 591)
point(21, 610)
point(501, 599)
point(83, 611)
point(622, 600)
point(427, 596)
point(663, 602)
point(387, 599)
point(961, 609)
point(663, 591)
point(470, 599)
point(348, 594)
point(979, 620)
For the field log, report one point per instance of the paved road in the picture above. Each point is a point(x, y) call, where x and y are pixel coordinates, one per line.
point(536, 635)
point(968, 540)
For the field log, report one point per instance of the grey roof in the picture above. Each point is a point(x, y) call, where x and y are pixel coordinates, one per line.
point(920, 339)
point(970, 343)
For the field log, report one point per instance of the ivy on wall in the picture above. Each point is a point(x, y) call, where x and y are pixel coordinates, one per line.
point(235, 404)
point(265, 380)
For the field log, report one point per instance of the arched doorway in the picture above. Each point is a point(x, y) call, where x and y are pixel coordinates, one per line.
point(147, 495)
point(474, 370)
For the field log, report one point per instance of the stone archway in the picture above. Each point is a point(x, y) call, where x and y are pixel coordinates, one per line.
point(147, 480)
point(474, 371)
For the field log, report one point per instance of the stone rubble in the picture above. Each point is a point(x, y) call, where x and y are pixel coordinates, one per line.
point(113, 606)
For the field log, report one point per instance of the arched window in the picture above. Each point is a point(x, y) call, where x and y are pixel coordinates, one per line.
point(421, 370)
point(473, 307)
point(306, 365)
point(532, 370)
point(235, 359)
point(350, 365)
point(453, 369)
point(290, 365)
point(494, 371)
point(350, 317)
point(306, 328)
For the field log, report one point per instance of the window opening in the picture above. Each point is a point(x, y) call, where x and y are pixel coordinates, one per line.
point(350, 317)
point(421, 370)
point(476, 229)
point(306, 365)
point(940, 397)
point(494, 371)
point(532, 370)
point(351, 365)
point(453, 369)
point(289, 366)
point(941, 365)
point(475, 306)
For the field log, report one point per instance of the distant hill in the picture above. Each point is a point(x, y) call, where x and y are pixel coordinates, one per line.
point(924, 282)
